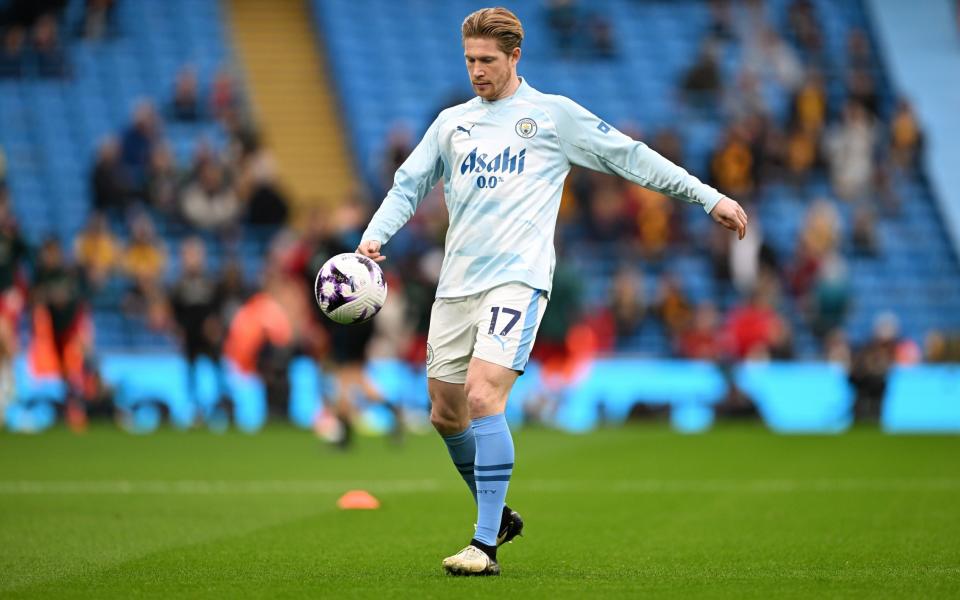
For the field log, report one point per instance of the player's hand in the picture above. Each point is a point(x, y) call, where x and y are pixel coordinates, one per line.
point(371, 249)
point(731, 215)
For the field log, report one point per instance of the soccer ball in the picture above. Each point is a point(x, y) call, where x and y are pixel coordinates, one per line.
point(350, 288)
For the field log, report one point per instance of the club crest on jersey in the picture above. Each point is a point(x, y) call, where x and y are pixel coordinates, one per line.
point(526, 127)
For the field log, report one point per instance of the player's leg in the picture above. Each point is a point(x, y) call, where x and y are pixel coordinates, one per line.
point(373, 394)
point(506, 322)
point(449, 416)
point(488, 386)
point(449, 344)
point(486, 390)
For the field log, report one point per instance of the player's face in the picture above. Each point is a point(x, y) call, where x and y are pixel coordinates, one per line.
point(491, 70)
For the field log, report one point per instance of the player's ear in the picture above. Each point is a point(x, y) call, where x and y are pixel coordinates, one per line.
point(515, 55)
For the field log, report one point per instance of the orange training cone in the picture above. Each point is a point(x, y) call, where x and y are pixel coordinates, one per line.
point(358, 500)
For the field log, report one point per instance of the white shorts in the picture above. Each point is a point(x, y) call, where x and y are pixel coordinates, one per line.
point(497, 325)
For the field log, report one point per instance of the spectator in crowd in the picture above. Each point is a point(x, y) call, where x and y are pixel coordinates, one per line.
point(605, 221)
point(317, 244)
point(144, 262)
point(906, 138)
point(564, 20)
point(749, 258)
point(800, 155)
point(703, 340)
point(163, 181)
point(768, 57)
point(701, 83)
point(62, 328)
point(421, 275)
point(209, 201)
point(265, 203)
point(667, 143)
point(138, 142)
point(399, 146)
point(185, 105)
point(651, 215)
point(48, 52)
point(196, 303)
point(14, 255)
point(818, 238)
point(261, 337)
point(836, 349)
point(808, 106)
point(721, 21)
point(849, 148)
point(602, 42)
point(732, 165)
point(392, 329)
point(98, 19)
point(859, 51)
point(13, 53)
point(871, 364)
point(28, 12)
point(755, 330)
point(627, 308)
point(112, 190)
point(233, 290)
point(562, 313)
point(96, 250)
point(224, 100)
point(831, 296)
point(862, 89)
point(673, 307)
point(346, 361)
point(864, 232)
point(804, 27)
point(939, 347)
point(744, 100)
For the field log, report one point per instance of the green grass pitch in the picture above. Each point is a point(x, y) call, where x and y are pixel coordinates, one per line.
point(639, 511)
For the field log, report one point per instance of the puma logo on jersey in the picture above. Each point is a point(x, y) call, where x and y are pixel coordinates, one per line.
point(465, 130)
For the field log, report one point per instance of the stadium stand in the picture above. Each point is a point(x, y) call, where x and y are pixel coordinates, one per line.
point(387, 48)
point(395, 65)
point(50, 129)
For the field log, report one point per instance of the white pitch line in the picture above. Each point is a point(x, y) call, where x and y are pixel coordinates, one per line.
point(414, 486)
point(200, 487)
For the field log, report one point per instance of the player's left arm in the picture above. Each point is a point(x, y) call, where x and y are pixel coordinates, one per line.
point(590, 142)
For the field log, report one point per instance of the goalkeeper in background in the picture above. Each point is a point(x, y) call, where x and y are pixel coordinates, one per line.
point(503, 157)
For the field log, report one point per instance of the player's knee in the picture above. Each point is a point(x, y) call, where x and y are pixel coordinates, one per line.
point(446, 421)
point(482, 399)
point(444, 416)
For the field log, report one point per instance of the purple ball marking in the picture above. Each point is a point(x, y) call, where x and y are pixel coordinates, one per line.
point(337, 298)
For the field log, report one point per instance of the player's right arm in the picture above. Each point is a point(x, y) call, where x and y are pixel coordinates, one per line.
point(413, 180)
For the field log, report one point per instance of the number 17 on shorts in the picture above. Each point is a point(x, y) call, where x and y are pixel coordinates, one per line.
point(498, 326)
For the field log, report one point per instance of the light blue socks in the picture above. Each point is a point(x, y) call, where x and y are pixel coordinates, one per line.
point(493, 467)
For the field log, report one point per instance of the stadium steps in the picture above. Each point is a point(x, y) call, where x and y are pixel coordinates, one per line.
point(290, 91)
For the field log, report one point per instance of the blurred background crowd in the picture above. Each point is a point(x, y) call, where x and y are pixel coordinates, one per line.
point(145, 212)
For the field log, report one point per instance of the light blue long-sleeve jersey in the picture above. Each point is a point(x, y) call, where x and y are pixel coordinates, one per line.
point(503, 164)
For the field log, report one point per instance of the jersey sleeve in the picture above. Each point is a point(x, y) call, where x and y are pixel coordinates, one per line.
point(413, 180)
point(590, 142)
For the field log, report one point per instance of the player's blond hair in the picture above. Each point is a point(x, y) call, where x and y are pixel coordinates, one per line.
point(494, 23)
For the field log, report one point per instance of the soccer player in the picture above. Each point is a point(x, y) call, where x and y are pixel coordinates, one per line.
point(503, 157)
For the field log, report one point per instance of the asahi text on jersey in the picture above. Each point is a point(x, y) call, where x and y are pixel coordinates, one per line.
point(502, 162)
